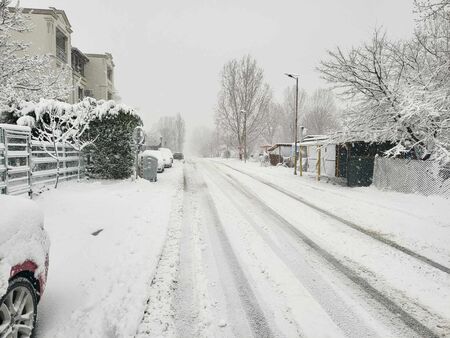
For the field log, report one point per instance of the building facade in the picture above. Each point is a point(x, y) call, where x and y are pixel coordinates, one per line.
point(100, 76)
point(92, 74)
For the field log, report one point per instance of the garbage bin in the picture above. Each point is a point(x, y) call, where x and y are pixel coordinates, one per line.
point(148, 167)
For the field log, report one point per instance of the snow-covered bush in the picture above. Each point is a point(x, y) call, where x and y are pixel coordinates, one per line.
point(111, 155)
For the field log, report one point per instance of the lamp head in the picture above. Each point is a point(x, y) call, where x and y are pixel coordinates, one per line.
point(294, 76)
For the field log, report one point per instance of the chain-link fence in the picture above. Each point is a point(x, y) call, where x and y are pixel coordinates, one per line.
point(412, 176)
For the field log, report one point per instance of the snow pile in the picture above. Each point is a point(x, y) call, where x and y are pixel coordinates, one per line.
point(22, 236)
point(107, 237)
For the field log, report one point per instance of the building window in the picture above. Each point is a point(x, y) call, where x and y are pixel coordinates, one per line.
point(80, 93)
point(109, 74)
point(61, 45)
point(77, 63)
point(110, 97)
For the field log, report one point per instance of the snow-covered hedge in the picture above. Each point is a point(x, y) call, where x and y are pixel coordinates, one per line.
point(111, 155)
point(102, 129)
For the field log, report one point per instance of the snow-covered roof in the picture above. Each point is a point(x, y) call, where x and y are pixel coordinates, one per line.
point(356, 136)
point(276, 145)
point(315, 140)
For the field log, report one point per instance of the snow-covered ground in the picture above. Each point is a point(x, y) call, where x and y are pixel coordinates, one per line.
point(411, 224)
point(414, 221)
point(219, 248)
point(247, 259)
point(106, 238)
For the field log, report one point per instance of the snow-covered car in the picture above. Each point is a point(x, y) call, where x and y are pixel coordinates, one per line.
point(178, 156)
point(24, 248)
point(167, 156)
point(159, 156)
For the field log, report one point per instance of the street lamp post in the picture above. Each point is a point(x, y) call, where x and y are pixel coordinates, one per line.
point(293, 76)
point(245, 134)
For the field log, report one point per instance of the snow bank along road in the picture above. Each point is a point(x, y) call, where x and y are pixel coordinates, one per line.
point(247, 258)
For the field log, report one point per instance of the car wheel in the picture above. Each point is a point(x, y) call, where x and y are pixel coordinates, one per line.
point(18, 309)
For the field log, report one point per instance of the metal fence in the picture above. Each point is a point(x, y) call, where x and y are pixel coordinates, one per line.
point(412, 176)
point(26, 165)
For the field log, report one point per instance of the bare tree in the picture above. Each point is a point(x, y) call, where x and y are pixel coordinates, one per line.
point(242, 89)
point(429, 8)
point(287, 121)
point(172, 130)
point(180, 132)
point(272, 122)
point(167, 130)
point(320, 116)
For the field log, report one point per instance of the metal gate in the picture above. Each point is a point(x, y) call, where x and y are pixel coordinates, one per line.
point(15, 160)
point(26, 165)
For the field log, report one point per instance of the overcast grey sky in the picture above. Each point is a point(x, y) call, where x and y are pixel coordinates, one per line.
point(169, 54)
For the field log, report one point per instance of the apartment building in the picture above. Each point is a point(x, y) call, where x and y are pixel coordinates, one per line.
point(100, 75)
point(92, 74)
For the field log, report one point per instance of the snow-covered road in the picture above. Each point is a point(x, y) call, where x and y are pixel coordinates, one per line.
point(249, 259)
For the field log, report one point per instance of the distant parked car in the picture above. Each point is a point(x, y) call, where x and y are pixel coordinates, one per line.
point(24, 248)
point(159, 156)
point(178, 156)
point(167, 156)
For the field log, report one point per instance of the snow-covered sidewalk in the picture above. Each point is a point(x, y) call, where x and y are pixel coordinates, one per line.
point(106, 238)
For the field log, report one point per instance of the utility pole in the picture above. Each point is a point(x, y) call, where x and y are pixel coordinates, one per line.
point(245, 134)
point(293, 76)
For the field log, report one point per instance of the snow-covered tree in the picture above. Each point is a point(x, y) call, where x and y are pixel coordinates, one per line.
point(399, 89)
point(57, 124)
point(24, 76)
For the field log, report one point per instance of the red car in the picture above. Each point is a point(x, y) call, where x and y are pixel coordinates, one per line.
point(24, 249)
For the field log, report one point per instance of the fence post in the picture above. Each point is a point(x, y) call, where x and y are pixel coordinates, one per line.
point(29, 164)
point(79, 164)
point(64, 160)
point(5, 152)
point(318, 162)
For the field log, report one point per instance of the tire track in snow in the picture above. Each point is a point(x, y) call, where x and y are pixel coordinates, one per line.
point(342, 315)
point(348, 223)
point(253, 311)
point(395, 309)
